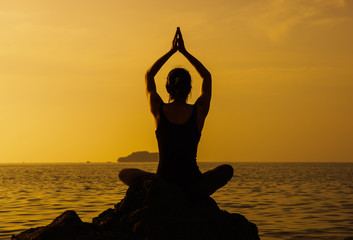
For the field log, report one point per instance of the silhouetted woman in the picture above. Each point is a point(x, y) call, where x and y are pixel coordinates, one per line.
point(179, 126)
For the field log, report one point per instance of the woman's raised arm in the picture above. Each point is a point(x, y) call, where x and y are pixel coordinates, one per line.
point(151, 90)
point(204, 100)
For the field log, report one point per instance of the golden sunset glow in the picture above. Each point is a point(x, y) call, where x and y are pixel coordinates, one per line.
point(72, 77)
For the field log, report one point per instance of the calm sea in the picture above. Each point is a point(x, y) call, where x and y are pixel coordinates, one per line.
point(285, 200)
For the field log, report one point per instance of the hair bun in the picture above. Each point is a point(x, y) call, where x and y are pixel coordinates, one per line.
point(178, 83)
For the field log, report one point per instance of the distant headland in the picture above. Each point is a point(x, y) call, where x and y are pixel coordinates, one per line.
point(140, 156)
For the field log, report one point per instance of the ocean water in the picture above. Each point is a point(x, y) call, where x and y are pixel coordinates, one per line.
point(285, 200)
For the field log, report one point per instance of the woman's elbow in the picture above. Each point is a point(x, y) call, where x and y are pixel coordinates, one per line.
point(207, 75)
point(148, 74)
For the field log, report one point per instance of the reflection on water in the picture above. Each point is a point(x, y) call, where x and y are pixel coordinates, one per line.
point(285, 200)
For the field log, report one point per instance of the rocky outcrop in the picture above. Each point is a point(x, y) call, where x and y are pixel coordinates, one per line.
point(151, 210)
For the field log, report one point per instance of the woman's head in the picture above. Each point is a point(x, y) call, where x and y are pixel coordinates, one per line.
point(178, 84)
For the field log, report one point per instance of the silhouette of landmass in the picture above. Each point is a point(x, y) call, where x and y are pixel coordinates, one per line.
point(141, 156)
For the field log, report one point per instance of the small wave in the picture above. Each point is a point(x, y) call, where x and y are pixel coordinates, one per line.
point(244, 206)
point(34, 199)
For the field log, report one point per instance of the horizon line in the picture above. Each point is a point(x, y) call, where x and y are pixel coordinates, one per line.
point(116, 162)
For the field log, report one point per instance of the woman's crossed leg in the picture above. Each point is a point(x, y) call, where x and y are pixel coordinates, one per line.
point(210, 182)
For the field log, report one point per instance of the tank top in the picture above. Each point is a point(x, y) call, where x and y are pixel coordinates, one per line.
point(177, 145)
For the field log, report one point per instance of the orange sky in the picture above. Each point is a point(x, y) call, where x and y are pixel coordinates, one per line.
point(72, 77)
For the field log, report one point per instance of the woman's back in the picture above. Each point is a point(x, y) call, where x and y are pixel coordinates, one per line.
point(178, 138)
point(178, 113)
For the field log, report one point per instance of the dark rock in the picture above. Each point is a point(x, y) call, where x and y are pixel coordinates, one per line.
point(151, 210)
point(67, 225)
